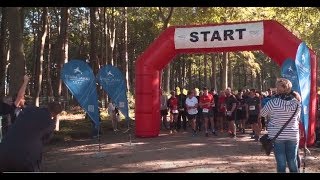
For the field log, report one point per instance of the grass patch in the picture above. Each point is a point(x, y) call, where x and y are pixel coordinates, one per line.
point(81, 129)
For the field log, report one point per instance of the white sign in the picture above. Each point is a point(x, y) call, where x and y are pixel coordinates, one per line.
point(219, 36)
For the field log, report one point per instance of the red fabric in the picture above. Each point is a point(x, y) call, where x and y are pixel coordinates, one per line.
point(206, 99)
point(221, 103)
point(173, 103)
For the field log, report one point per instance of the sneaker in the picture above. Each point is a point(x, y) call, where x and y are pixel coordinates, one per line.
point(207, 134)
point(175, 131)
point(194, 133)
point(170, 131)
point(232, 135)
point(252, 137)
point(214, 133)
point(256, 138)
point(243, 131)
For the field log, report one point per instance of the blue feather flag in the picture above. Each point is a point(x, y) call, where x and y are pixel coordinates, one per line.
point(113, 82)
point(80, 80)
point(303, 66)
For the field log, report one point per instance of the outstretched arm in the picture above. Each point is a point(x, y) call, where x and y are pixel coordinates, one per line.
point(22, 90)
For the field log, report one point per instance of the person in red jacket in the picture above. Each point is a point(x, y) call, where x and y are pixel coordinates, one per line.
point(173, 106)
point(206, 103)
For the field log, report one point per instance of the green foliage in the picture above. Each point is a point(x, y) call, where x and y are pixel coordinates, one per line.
point(145, 25)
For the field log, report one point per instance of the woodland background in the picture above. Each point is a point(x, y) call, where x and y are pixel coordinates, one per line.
point(39, 40)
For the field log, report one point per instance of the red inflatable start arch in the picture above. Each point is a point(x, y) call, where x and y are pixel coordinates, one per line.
point(268, 36)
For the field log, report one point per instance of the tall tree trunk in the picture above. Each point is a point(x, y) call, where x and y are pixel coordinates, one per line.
point(259, 81)
point(166, 20)
point(224, 84)
point(93, 41)
point(106, 37)
point(220, 71)
point(49, 79)
point(17, 58)
point(239, 76)
point(189, 74)
point(199, 73)
point(213, 75)
point(111, 37)
point(62, 55)
point(38, 77)
point(245, 75)
point(126, 48)
point(183, 72)
point(205, 70)
point(173, 82)
point(252, 79)
point(101, 37)
point(35, 32)
point(3, 59)
point(230, 73)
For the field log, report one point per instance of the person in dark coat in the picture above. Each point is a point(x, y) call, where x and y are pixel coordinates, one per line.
point(21, 148)
point(13, 107)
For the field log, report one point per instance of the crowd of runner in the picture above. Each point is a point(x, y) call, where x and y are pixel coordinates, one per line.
point(208, 112)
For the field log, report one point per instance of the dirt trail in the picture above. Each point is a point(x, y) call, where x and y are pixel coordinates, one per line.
point(179, 152)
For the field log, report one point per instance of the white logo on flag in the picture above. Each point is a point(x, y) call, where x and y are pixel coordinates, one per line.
point(90, 108)
point(290, 69)
point(121, 104)
point(110, 74)
point(305, 110)
point(303, 58)
point(77, 70)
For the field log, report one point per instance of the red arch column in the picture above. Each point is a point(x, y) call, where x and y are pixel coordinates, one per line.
point(277, 42)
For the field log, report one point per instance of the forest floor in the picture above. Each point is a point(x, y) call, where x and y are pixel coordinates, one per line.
point(72, 150)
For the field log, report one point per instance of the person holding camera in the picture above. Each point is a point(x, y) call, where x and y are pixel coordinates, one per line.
point(284, 105)
point(21, 149)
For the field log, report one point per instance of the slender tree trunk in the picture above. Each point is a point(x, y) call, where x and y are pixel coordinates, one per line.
point(93, 41)
point(17, 58)
point(7, 69)
point(35, 32)
point(239, 76)
point(174, 80)
point(245, 75)
point(259, 81)
point(3, 59)
point(62, 56)
point(111, 36)
point(183, 72)
point(230, 72)
point(101, 37)
point(126, 64)
point(225, 71)
point(189, 74)
point(49, 79)
point(213, 75)
point(38, 77)
point(252, 79)
point(199, 73)
point(205, 70)
point(166, 20)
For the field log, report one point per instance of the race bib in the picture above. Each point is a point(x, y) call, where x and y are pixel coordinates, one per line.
point(240, 108)
point(181, 109)
point(252, 108)
point(228, 113)
point(174, 111)
point(205, 110)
